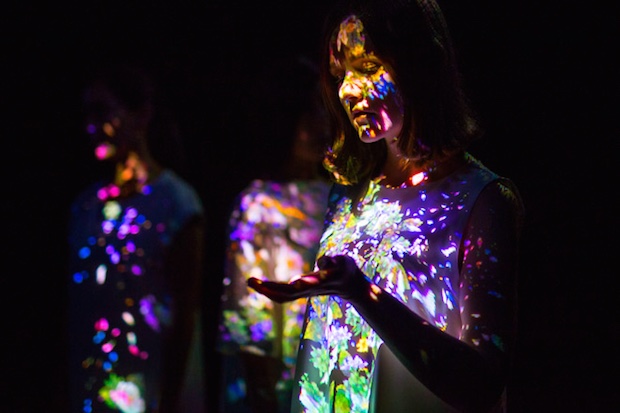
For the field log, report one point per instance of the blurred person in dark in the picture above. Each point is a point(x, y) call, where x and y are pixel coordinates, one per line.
point(273, 233)
point(136, 240)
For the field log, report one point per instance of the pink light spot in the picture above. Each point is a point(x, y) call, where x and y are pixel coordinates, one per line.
point(115, 191)
point(102, 325)
point(101, 152)
point(102, 194)
point(107, 347)
point(133, 349)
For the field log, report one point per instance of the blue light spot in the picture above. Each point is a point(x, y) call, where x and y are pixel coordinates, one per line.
point(99, 337)
point(79, 277)
point(495, 294)
point(88, 406)
point(84, 252)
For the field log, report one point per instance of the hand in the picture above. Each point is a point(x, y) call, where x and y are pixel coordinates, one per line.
point(337, 275)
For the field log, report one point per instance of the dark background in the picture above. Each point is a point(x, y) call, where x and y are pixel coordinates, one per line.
point(543, 76)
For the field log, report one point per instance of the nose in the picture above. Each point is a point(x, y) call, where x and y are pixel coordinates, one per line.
point(350, 91)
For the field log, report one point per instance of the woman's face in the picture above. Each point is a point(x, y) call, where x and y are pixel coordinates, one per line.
point(366, 89)
point(111, 127)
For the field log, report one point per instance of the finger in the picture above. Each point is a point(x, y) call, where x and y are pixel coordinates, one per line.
point(325, 262)
point(311, 278)
point(279, 292)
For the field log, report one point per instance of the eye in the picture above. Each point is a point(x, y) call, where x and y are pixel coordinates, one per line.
point(370, 67)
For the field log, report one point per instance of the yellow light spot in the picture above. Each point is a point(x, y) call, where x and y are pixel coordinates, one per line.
point(375, 291)
point(108, 129)
point(362, 345)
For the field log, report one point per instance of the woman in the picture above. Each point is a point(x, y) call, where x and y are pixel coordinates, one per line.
point(136, 248)
point(273, 230)
point(412, 304)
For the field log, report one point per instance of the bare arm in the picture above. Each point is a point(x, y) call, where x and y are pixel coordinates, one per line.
point(470, 371)
point(184, 269)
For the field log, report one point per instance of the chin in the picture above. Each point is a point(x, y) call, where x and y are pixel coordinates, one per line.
point(368, 135)
point(371, 137)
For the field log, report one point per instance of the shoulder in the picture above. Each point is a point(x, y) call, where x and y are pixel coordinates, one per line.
point(493, 185)
point(498, 195)
point(178, 191)
point(500, 199)
point(255, 191)
point(87, 197)
point(173, 183)
point(259, 190)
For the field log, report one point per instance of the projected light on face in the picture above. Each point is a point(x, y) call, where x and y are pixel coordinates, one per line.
point(103, 149)
point(103, 122)
point(366, 88)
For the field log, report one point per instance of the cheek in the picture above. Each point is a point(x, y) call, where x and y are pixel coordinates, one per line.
point(387, 119)
point(390, 108)
point(396, 106)
point(383, 87)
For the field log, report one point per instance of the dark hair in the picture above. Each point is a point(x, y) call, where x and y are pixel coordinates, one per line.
point(133, 85)
point(138, 86)
point(411, 37)
point(290, 99)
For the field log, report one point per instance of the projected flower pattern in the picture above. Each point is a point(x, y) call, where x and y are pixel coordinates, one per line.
point(406, 241)
point(274, 234)
point(118, 300)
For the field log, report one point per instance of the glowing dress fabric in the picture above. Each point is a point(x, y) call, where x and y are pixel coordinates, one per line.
point(406, 240)
point(274, 233)
point(119, 303)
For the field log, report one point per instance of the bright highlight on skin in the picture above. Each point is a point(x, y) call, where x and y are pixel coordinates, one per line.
point(367, 91)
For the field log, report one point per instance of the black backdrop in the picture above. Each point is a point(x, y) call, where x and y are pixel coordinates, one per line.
point(542, 76)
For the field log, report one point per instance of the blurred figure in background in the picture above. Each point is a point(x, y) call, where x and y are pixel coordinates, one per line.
point(136, 260)
point(274, 230)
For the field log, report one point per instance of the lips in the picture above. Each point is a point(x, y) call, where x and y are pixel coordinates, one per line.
point(361, 118)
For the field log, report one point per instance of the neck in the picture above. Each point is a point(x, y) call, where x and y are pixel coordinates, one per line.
point(135, 173)
point(399, 172)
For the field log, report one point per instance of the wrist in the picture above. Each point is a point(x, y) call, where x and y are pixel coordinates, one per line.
point(361, 289)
